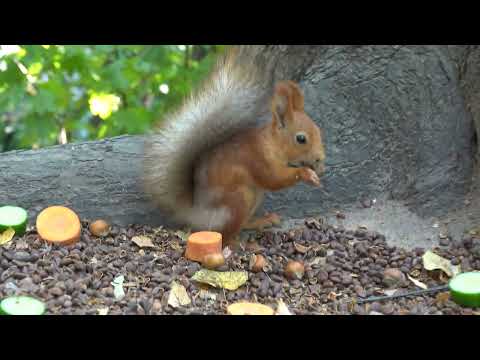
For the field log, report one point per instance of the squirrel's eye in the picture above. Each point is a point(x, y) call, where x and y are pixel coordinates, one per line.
point(301, 139)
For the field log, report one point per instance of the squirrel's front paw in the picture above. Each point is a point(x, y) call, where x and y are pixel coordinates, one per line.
point(310, 177)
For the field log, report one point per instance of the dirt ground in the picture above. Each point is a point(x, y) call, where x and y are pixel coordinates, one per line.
point(342, 267)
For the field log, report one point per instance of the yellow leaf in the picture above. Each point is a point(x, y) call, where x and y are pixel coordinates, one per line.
point(6, 236)
point(230, 280)
point(103, 105)
point(432, 261)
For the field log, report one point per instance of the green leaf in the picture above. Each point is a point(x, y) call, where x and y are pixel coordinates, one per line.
point(131, 72)
point(12, 74)
point(43, 102)
point(114, 74)
point(131, 121)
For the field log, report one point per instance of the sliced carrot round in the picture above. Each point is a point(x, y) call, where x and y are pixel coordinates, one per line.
point(246, 308)
point(203, 243)
point(59, 225)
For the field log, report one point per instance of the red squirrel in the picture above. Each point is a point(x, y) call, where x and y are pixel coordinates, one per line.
point(211, 162)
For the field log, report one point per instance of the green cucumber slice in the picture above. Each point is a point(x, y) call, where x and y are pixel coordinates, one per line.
point(13, 217)
point(22, 305)
point(465, 289)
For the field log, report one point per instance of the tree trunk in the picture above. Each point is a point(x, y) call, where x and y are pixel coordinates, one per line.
point(398, 123)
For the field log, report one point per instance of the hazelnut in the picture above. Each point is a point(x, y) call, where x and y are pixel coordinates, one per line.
point(257, 263)
point(99, 228)
point(393, 277)
point(294, 270)
point(213, 261)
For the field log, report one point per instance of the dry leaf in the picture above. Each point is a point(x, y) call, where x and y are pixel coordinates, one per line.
point(353, 242)
point(390, 292)
point(226, 252)
point(332, 296)
point(300, 248)
point(207, 295)
point(176, 246)
point(418, 283)
point(432, 261)
point(103, 311)
point(442, 298)
point(94, 301)
point(21, 245)
point(310, 301)
point(322, 261)
point(415, 273)
point(143, 241)
point(117, 284)
point(282, 309)
point(253, 246)
point(182, 235)
point(294, 291)
point(6, 236)
point(314, 223)
point(230, 280)
point(178, 296)
point(351, 306)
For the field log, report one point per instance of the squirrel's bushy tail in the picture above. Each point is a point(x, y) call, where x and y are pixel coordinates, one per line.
point(235, 96)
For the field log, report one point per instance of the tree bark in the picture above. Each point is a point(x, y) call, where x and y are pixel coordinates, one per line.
point(398, 124)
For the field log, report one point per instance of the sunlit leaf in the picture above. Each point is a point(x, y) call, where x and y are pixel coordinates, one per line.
point(103, 105)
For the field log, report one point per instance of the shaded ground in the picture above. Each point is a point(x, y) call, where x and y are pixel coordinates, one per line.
point(341, 266)
point(405, 228)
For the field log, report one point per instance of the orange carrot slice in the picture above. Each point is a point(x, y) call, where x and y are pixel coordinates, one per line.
point(246, 308)
point(203, 243)
point(59, 225)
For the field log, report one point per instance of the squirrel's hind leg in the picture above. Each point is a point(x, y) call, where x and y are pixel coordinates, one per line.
point(240, 204)
point(260, 223)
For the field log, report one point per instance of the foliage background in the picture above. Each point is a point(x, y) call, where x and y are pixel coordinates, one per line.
point(54, 94)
